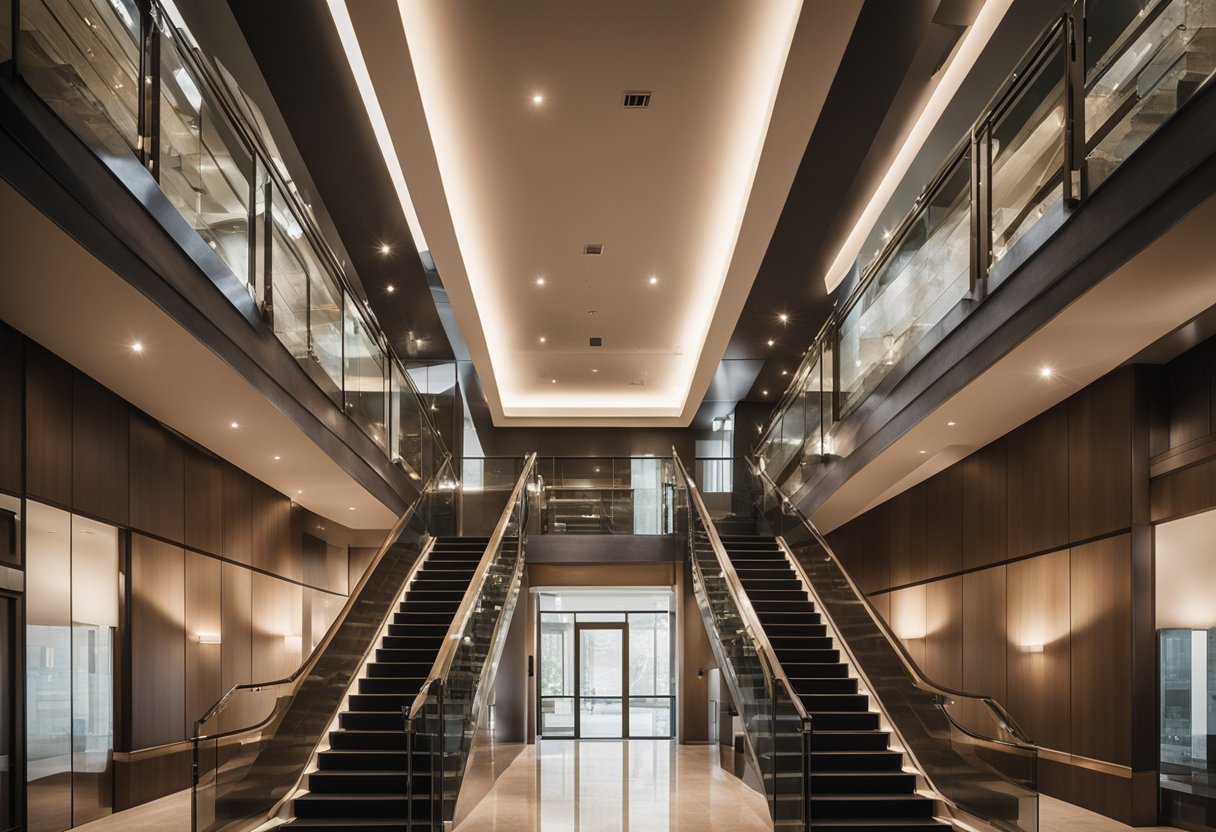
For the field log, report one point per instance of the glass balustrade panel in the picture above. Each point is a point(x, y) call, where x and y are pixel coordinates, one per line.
point(364, 376)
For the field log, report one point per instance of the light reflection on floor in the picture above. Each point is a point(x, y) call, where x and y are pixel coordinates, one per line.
point(639, 785)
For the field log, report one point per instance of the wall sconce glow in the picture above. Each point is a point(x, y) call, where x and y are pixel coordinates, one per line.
point(208, 638)
point(293, 643)
point(1032, 648)
point(358, 68)
point(350, 508)
point(951, 424)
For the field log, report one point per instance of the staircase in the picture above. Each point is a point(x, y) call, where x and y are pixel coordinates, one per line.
point(361, 779)
point(857, 782)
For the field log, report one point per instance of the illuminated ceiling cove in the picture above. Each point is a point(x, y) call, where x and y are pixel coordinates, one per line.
point(505, 129)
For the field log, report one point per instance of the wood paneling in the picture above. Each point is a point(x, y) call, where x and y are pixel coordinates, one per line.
point(874, 550)
point(1100, 457)
point(360, 558)
point(944, 632)
point(271, 524)
point(12, 384)
point(325, 564)
point(48, 420)
point(1184, 492)
point(1038, 484)
point(1101, 650)
point(882, 603)
point(984, 506)
point(907, 619)
point(908, 537)
point(158, 658)
point(944, 522)
point(202, 609)
point(157, 479)
point(238, 514)
point(1040, 656)
point(99, 451)
point(278, 612)
point(203, 526)
point(985, 645)
point(1189, 379)
point(236, 652)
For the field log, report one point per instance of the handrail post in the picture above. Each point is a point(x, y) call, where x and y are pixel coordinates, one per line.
point(772, 750)
point(409, 765)
point(806, 773)
point(437, 788)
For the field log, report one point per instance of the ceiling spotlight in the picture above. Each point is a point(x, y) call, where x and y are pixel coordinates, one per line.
point(277, 457)
point(390, 288)
point(553, 381)
point(385, 248)
point(542, 339)
point(594, 370)
point(763, 392)
point(924, 452)
point(540, 281)
point(234, 425)
point(653, 280)
point(350, 508)
point(299, 490)
point(137, 347)
point(785, 372)
point(538, 99)
point(951, 424)
point(1046, 372)
point(771, 342)
point(784, 318)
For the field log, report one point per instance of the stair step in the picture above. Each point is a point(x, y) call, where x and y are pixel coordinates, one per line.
point(378, 782)
point(875, 806)
point(850, 740)
point(885, 760)
point(861, 782)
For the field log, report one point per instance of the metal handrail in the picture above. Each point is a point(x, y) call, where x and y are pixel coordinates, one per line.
point(776, 674)
point(451, 641)
point(306, 666)
point(920, 680)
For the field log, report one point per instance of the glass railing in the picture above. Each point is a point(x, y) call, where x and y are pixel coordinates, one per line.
point(1092, 90)
point(451, 710)
point(582, 495)
point(131, 82)
point(969, 749)
point(251, 748)
point(776, 725)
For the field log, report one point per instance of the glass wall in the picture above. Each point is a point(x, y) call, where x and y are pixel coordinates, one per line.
point(606, 495)
point(1188, 710)
point(71, 620)
point(606, 667)
point(9, 679)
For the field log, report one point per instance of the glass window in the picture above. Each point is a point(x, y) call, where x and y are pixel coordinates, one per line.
point(10, 529)
point(9, 679)
point(363, 377)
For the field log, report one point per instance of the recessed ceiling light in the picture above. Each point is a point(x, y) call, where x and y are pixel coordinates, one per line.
point(137, 347)
point(235, 425)
point(924, 452)
point(350, 508)
point(390, 288)
point(951, 424)
point(785, 372)
point(763, 392)
point(540, 281)
point(299, 490)
point(385, 248)
point(653, 280)
point(277, 457)
point(594, 370)
point(553, 381)
point(538, 99)
point(771, 342)
point(784, 318)
point(542, 339)
point(1046, 372)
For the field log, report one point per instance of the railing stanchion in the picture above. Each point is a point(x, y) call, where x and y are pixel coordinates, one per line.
point(806, 774)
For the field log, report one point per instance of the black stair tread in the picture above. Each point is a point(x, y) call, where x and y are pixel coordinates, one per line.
point(880, 823)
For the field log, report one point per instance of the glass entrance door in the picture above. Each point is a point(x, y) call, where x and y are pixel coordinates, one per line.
point(602, 655)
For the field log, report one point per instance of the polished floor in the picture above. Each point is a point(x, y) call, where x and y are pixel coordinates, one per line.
point(635, 786)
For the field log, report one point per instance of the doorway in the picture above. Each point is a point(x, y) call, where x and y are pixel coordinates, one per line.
point(606, 665)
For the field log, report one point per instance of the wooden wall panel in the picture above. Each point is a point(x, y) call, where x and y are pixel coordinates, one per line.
point(985, 645)
point(882, 603)
point(203, 526)
point(12, 398)
point(157, 479)
point(236, 628)
point(1040, 655)
point(907, 619)
point(265, 552)
point(278, 612)
point(48, 420)
point(874, 550)
point(944, 522)
point(238, 514)
point(1101, 650)
point(1184, 492)
point(325, 564)
point(984, 506)
point(100, 428)
point(203, 616)
point(360, 558)
point(908, 537)
point(1100, 457)
point(158, 656)
point(944, 632)
point(284, 547)
point(1038, 484)
point(1189, 380)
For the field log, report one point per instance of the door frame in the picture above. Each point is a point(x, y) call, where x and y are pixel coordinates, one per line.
point(623, 628)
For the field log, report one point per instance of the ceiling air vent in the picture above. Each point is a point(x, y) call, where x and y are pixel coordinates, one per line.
point(635, 100)
point(597, 342)
point(593, 249)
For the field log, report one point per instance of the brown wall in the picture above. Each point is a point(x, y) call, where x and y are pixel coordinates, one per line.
point(211, 550)
point(1014, 573)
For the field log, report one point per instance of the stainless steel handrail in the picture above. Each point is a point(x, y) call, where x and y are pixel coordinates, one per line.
point(303, 670)
point(764, 650)
point(920, 680)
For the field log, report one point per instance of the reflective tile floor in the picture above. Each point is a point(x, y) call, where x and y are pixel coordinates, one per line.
point(640, 786)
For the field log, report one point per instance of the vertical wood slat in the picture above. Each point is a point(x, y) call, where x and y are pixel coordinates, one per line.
point(158, 658)
point(12, 399)
point(100, 451)
point(48, 420)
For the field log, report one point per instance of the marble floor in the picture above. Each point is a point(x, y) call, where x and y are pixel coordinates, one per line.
point(635, 786)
